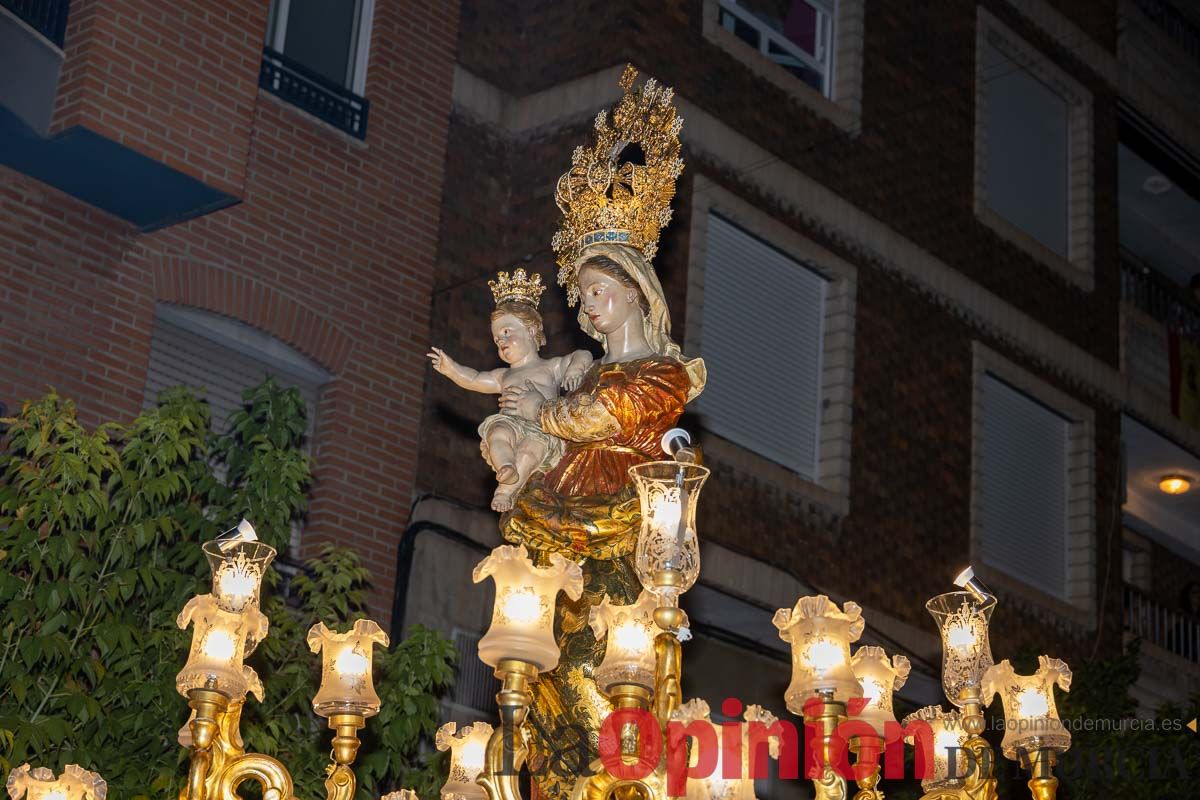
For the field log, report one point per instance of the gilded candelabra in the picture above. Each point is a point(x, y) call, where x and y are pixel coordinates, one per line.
point(227, 626)
point(642, 669)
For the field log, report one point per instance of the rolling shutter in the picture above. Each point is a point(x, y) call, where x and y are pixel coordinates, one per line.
point(475, 686)
point(1023, 501)
point(761, 339)
point(219, 367)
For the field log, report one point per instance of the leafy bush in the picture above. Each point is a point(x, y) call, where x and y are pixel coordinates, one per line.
point(100, 536)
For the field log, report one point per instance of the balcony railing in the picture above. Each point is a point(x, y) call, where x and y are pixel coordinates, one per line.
point(47, 17)
point(1152, 622)
point(314, 93)
point(1159, 297)
point(1179, 28)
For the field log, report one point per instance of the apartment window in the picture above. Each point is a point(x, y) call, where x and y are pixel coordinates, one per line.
point(1032, 511)
point(810, 48)
point(796, 35)
point(1033, 151)
point(770, 309)
point(218, 358)
point(316, 58)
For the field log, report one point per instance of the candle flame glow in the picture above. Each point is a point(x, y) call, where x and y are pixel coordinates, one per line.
point(219, 645)
point(1032, 703)
point(522, 607)
point(351, 663)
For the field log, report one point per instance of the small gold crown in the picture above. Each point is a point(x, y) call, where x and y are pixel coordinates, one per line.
point(606, 201)
point(518, 289)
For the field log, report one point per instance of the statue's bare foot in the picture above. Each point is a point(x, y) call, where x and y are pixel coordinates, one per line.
point(507, 474)
point(502, 500)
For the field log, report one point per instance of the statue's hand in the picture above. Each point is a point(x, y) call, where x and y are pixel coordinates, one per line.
point(572, 379)
point(442, 362)
point(525, 401)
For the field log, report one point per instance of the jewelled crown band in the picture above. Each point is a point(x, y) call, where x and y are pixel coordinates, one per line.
point(604, 200)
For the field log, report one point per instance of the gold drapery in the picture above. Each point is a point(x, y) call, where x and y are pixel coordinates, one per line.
point(587, 509)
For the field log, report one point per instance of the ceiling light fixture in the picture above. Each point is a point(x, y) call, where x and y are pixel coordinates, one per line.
point(1157, 184)
point(1174, 484)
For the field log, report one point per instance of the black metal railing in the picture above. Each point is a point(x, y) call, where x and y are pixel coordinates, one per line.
point(1151, 621)
point(314, 93)
point(1158, 296)
point(1179, 28)
point(47, 17)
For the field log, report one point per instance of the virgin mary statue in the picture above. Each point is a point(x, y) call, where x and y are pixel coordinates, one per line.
point(586, 507)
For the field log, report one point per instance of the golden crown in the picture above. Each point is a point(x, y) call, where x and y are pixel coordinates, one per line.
point(519, 288)
point(606, 201)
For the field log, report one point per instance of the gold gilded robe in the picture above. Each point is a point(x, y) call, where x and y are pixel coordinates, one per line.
point(586, 508)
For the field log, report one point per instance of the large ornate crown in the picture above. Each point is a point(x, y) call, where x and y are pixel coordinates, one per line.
point(604, 200)
point(518, 289)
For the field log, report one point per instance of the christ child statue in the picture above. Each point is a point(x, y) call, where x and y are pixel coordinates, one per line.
point(515, 447)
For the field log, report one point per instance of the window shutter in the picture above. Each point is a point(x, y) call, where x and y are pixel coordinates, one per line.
point(1024, 488)
point(475, 686)
point(180, 356)
point(762, 327)
point(1027, 150)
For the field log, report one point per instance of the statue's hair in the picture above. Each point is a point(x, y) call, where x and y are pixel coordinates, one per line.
point(613, 270)
point(529, 316)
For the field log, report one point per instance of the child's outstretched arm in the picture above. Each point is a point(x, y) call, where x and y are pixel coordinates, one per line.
point(472, 380)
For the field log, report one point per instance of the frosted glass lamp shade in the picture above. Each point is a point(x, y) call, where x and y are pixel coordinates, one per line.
point(668, 492)
point(715, 786)
point(966, 652)
point(820, 635)
point(945, 736)
point(879, 677)
point(468, 748)
point(629, 633)
point(347, 686)
point(523, 615)
point(1031, 717)
point(219, 640)
point(238, 566)
point(75, 783)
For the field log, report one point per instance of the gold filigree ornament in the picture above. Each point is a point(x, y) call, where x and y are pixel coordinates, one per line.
point(608, 201)
point(517, 289)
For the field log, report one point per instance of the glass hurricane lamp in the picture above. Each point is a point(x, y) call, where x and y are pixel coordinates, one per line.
point(966, 652)
point(879, 678)
point(468, 749)
point(1031, 718)
point(820, 635)
point(346, 681)
point(523, 614)
point(238, 564)
point(946, 737)
point(75, 783)
point(629, 632)
point(219, 644)
point(667, 558)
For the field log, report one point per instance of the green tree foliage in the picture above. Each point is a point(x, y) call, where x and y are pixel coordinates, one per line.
point(100, 536)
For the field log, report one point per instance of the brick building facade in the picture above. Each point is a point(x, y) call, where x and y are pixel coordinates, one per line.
point(876, 180)
point(164, 173)
point(184, 183)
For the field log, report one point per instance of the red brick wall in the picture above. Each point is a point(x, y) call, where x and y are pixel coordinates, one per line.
point(331, 251)
point(174, 81)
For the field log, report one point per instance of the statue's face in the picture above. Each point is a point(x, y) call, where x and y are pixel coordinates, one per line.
point(513, 339)
point(607, 303)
